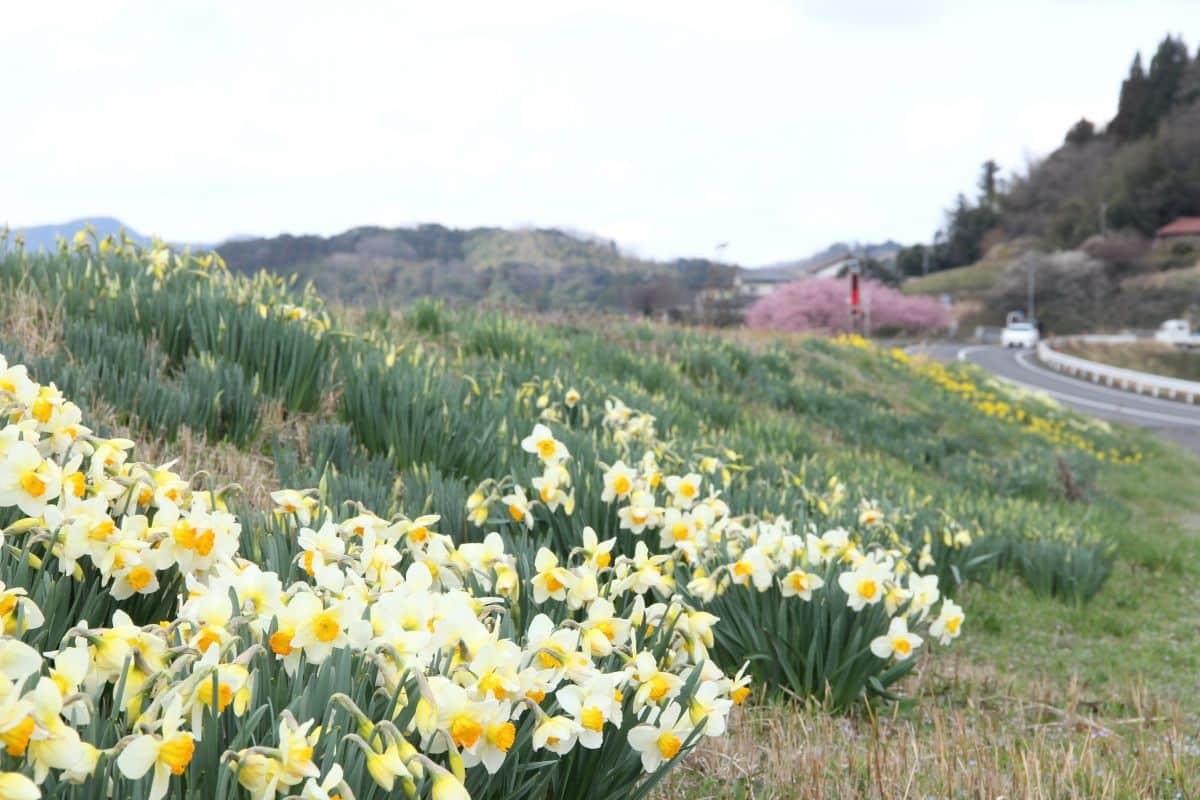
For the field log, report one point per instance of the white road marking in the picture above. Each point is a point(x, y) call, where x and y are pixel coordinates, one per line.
point(966, 351)
point(1174, 419)
point(1099, 388)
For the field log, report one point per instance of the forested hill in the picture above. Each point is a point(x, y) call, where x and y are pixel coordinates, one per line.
point(1136, 173)
point(530, 268)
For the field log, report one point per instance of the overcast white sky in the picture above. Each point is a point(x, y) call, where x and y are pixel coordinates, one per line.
point(668, 125)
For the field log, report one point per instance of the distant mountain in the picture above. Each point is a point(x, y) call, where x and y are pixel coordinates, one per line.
point(43, 237)
point(534, 268)
point(882, 251)
point(238, 237)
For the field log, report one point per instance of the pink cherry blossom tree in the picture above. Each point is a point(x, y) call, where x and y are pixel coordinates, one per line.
point(822, 304)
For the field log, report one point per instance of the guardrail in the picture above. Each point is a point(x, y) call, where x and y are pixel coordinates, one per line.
point(1128, 379)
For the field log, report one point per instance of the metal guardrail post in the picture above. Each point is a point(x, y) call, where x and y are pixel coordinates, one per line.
point(1115, 377)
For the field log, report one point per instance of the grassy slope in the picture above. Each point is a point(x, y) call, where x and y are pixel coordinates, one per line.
point(1140, 630)
point(971, 281)
point(1032, 678)
point(963, 281)
point(1042, 700)
point(1035, 679)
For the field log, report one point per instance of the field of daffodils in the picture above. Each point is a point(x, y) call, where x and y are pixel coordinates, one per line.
point(479, 555)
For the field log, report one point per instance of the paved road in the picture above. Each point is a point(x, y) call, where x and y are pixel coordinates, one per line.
point(1176, 421)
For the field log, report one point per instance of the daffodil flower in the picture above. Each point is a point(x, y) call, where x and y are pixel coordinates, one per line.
point(898, 641)
point(948, 624)
point(542, 443)
point(15, 786)
point(167, 753)
point(865, 585)
point(661, 740)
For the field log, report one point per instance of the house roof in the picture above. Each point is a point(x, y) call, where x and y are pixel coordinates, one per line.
point(835, 260)
point(768, 275)
point(1183, 226)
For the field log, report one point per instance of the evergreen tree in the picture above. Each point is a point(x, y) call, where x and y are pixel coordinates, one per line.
point(966, 227)
point(988, 182)
point(1133, 95)
point(1081, 133)
point(1189, 84)
point(1166, 74)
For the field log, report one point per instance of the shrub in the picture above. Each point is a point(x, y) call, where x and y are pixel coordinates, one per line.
point(1073, 289)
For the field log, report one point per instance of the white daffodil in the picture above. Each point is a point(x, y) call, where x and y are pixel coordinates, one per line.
point(948, 624)
point(710, 706)
point(542, 443)
point(27, 480)
point(799, 583)
point(15, 786)
point(591, 705)
point(640, 513)
point(923, 593)
point(618, 482)
point(518, 506)
point(865, 585)
point(684, 489)
point(168, 752)
point(898, 641)
point(326, 789)
point(551, 580)
point(661, 740)
point(556, 734)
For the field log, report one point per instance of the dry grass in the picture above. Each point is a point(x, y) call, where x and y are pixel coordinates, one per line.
point(1183, 280)
point(987, 742)
point(197, 458)
point(1153, 357)
point(26, 318)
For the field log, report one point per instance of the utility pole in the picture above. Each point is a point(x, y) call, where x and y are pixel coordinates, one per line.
point(1104, 219)
point(860, 255)
point(1030, 306)
point(855, 300)
point(711, 310)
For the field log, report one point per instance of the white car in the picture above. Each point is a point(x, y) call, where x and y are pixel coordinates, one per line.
point(1020, 334)
point(1177, 332)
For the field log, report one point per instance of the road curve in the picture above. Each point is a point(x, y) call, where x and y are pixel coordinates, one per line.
point(1173, 420)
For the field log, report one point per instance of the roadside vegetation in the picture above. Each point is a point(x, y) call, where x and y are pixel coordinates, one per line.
point(1145, 356)
point(502, 555)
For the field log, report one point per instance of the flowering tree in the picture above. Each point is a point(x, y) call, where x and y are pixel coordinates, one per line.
point(821, 304)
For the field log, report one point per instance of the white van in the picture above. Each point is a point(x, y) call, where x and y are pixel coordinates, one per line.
point(1019, 334)
point(1177, 332)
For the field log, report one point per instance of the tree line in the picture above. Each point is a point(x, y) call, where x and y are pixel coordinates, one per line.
point(1137, 173)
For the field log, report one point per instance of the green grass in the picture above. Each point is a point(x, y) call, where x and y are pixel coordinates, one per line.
point(1141, 627)
point(961, 281)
